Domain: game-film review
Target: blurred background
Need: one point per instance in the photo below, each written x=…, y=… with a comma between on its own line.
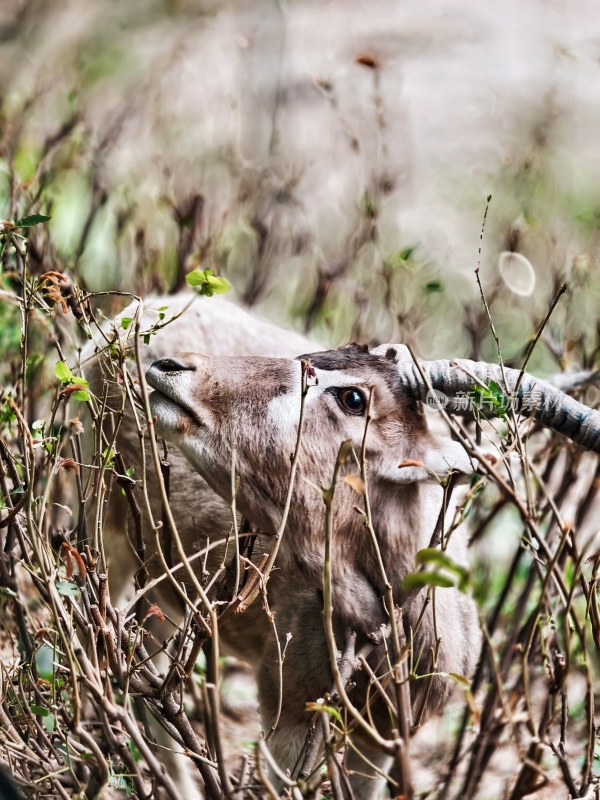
x=332, y=159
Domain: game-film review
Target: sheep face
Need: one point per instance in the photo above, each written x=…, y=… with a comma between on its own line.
x=247, y=410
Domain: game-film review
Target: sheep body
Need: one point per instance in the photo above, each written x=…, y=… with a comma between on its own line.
x=249, y=406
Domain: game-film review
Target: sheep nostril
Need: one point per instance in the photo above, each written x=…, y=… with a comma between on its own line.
x=172, y=365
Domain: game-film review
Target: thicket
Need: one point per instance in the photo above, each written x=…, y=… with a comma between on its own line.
x=76, y=683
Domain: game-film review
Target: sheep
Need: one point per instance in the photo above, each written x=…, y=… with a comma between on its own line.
x=245, y=411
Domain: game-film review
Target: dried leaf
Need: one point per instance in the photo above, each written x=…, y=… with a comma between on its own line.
x=77, y=389
x=76, y=425
x=68, y=560
x=71, y=551
x=80, y=564
x=410, y=462
x=491, y=458
x=356, y=482
x=41, y=632
x=67, y=464
x=68, y=390
x=367, y=60
x=54, y=277
x=155, y=611
x=473, y=707
x=53, y=293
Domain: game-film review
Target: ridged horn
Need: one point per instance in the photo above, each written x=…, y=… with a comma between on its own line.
x=534, y=398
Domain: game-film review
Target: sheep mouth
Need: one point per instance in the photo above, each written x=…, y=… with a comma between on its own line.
x=170, y=412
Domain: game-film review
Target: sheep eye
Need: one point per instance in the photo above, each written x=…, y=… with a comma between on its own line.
x=352, y=400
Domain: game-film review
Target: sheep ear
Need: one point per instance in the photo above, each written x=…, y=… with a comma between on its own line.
x=444, y=455
x=399, y=353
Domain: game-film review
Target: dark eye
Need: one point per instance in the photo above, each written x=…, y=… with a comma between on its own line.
x=352, y=400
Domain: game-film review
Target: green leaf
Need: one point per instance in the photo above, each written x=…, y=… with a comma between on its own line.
x=369, y=208
x=109, y=455
x=441, y=560
x=417, y=580
x=333, y=712
x=44, y=662
x=460, y=679
x=48, y=445
x=431, y=555
x=126, y=322
x=49, y=723
x=130, y=472
x=81, y=395
x=7, y=415
x=404, y=259
x=476, y=484
x=67, y=589
x=408, y=252
x=492, y=397
x=117, y=781
x=29, y=222
x=200, y=665
x=33, y=362
x=198, y=276
x=346, y=451
x=39, y=711
x=133, y=749
x=207, y=282
x=218, y=285
x=62, y=372
x=434, y=286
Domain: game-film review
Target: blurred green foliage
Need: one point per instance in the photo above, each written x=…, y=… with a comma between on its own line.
x=152, y=162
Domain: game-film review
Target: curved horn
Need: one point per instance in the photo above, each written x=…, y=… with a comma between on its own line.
x=534, y=397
